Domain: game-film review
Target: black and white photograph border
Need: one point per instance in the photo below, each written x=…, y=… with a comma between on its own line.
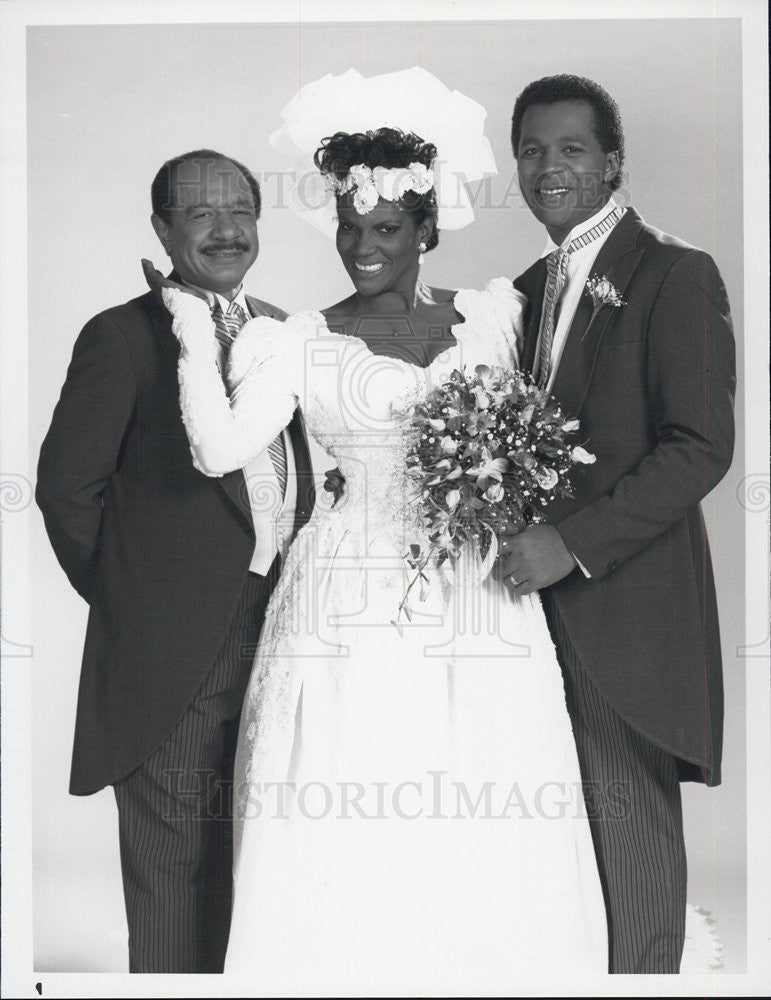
x=73, y=228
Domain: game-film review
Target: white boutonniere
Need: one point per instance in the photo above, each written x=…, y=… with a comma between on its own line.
x=602, y=292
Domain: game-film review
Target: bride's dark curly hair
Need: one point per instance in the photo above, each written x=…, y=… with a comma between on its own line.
x=385, y=147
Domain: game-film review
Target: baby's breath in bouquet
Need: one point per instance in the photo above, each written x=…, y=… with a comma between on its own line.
x=490, y=451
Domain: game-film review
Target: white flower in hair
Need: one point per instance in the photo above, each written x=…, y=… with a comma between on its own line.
x=357, y=177
x=365, y=194
x=393, y=183
x=365, y=199
x=390, y=183
x=421, y=178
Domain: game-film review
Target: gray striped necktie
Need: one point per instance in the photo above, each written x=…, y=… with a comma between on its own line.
x=226, y=328
x=557, y=269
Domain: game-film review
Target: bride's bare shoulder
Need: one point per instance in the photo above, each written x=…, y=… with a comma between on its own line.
x=341, y=310
x=443, y=295
x=341, y=315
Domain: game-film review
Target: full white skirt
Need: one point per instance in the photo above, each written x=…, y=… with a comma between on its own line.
x=411, y=817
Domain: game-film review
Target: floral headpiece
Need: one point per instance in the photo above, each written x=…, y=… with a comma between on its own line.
x=390, y=183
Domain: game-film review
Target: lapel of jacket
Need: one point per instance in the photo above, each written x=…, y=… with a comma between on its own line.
x=533, y=284
x=306, y=490
x=259, y=308
x=234, y=484
x=617, y=260
x=161, y=320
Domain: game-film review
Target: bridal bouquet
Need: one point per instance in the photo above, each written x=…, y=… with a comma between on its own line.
x=490, y=451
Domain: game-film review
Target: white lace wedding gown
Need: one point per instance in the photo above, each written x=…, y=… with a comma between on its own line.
x=434, y=840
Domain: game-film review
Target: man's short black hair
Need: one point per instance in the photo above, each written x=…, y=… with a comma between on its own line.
x=566, y=87
x=162, y=189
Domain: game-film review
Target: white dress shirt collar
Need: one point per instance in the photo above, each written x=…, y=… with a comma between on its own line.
x=214, y=298
x=581, y=228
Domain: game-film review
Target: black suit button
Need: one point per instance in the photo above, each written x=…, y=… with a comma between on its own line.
x=612, y=565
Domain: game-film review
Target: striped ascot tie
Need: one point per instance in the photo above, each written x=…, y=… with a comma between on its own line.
x=226, y=328
x=557, y=270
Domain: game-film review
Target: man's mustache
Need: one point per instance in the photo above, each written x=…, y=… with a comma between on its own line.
x=233, y=245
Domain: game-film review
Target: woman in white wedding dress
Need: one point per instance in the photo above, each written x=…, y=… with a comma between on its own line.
x=409, y=809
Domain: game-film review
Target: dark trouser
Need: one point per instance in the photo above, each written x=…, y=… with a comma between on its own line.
x=632, y=797
x=175, y=815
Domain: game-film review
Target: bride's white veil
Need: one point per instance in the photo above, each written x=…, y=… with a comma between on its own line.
x=413, y=100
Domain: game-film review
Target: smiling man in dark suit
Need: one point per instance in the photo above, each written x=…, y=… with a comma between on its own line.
x=177, y=569
x=630, y=329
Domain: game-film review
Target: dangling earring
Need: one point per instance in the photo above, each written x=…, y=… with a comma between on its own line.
x=422, y=247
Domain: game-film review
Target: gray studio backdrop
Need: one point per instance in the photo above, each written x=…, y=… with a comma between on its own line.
x=107, y=105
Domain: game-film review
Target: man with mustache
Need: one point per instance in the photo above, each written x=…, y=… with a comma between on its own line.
x=630, y=330
x=177, y=569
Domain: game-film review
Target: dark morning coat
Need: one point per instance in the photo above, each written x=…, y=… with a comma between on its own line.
x=653, y=385
x=159, y=550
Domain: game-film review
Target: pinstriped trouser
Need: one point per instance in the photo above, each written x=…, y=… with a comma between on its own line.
x=175, y=814
x=633, y=802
